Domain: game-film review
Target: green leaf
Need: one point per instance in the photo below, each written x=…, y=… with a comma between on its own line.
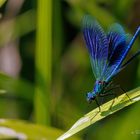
x=94, y=116
x=16, y=129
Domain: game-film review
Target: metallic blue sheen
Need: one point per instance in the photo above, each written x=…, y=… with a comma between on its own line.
x=107, y=52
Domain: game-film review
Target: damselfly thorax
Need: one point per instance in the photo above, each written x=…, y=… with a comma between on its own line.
x=98, y=89
x=99, y=86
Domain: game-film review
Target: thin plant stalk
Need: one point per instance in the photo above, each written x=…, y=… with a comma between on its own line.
x=43, y=62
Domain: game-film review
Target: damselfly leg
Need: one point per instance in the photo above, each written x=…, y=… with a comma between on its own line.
x=107, y=93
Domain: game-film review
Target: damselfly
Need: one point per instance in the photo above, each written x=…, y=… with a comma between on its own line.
x=107, y=53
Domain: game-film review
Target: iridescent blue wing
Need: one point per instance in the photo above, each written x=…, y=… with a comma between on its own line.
x=122, y=66
x=118, y=43
x=128, y=61
x=97, y=44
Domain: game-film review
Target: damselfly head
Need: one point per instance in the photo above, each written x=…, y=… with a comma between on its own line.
x=90, y=96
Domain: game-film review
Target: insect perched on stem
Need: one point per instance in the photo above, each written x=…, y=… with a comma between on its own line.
x=107, y=52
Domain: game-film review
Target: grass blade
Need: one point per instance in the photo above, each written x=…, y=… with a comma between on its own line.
x=88, y=119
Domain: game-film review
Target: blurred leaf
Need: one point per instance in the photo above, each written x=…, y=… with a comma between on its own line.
x=20, y=25
x=58, y=44
x=2, y=91
x=2, y=2
x=16, y=129
x=16, y=87
x=80, y=8
x=94, y=116
x=122, y=8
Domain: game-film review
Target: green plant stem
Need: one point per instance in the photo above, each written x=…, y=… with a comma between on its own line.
x=43, y=62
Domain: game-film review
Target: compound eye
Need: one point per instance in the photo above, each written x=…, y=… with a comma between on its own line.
x=100, y=82
x=89, y=96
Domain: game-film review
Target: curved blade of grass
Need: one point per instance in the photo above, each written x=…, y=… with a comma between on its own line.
x=94, y=116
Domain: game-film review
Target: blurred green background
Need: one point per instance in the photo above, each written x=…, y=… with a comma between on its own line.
x=45, y=67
